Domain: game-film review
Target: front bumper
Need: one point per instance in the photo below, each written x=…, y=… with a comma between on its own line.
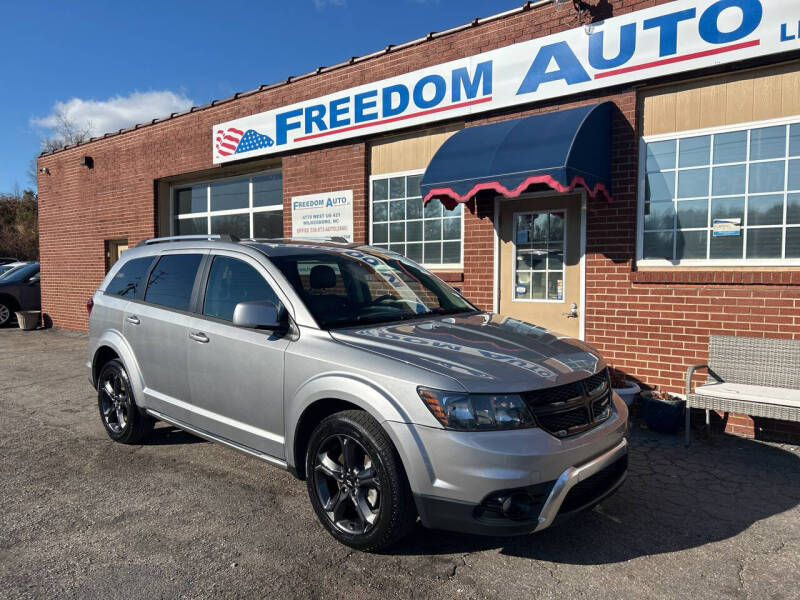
x=576, y=489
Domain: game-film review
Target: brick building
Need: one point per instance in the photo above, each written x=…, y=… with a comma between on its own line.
x=698, y=230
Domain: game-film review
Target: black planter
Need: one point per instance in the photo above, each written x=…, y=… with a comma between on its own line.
x=663, y=416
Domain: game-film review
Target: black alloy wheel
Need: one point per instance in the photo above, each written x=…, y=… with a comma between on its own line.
x=5, y=313
x=356, y=482
x=121, y=417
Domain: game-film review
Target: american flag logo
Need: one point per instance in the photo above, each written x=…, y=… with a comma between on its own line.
x=234, y=141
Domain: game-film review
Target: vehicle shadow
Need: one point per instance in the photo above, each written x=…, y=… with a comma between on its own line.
x=167, y=435
x=675, y=498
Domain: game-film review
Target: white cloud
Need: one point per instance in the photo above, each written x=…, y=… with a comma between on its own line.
x=103, y=116
x=320, y=4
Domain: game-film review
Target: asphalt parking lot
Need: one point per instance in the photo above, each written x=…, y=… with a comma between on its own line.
x=182, y=518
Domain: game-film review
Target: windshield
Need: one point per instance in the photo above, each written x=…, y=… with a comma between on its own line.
x=20, y=273
x=348, y=288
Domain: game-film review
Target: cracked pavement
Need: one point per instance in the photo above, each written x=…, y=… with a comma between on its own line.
x=178, y=517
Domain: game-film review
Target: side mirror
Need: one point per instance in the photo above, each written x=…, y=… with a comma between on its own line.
x=259, y=314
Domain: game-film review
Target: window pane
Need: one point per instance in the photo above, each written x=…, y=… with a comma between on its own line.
x=729, y=180
x=793, y=242
x=380, y=189
x=452, y=228
x=794, y=175
x=414, y=208
x=433, y=230
x=380, y=234
x=539, y=228
x=172, y=279
x=380, y=211
x=767, y=177
x=659, y=215
x=794, y=140
x=764, y=243
x=793, y=209
x=268, y=190
x=556, y=232
x=397, y=233
x=694, y=152
x=729, y=246
x=397, y=210
x=191, y=226
x=552, y=286
x=433, y=253
x=522, y=290
x=130, y=278
x=765, y=210
x=192, y=200
x=660, y=187
x=730, y=147
x=451, y=252
x=229, y=195
x=397, y=187
x=414, y=252
x=691, y=244
x=693, y=213
x=768, y=142
x=660, y=156
x=399, y=248
x=693, y=183
x=433, y=209
x=537, y=285
x=412, y=186
x=658, y=245
x=727, y=208
x=414, y=231
x=555, y=261
x=238, y=225
x=231, y=281
x=268, y=224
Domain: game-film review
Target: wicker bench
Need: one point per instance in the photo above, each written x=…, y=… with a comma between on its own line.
x=759, y=377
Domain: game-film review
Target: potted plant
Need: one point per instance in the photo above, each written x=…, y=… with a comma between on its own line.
x=626, y=389
x=663, y=412
x=28, y=319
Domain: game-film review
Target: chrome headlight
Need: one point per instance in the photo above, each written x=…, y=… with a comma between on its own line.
x=477, y=412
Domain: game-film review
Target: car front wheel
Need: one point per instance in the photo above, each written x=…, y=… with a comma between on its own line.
x=356, y=482
x=6, y=311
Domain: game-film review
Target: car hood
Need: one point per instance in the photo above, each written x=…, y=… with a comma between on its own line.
x=483, y=352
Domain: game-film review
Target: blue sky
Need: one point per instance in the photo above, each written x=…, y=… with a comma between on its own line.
x=116, y=63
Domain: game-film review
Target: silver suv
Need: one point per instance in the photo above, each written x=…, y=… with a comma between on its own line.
x=362, y=373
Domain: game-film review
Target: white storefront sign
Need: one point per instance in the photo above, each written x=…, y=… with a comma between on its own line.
x=676, y=37
x=320, y=216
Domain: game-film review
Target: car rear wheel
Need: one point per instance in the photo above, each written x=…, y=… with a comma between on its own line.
x=6, y=312
x=356, y=482
x=118, y=411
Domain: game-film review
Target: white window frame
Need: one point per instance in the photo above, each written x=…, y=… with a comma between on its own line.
x=712, y=262
x=208, y=213
x=547, y=271
x=441, y=267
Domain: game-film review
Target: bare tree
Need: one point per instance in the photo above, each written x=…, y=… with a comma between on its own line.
x=66, y=133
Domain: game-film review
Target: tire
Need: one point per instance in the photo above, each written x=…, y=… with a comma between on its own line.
x=7, y=309
x=364, y=500
x=118, y=411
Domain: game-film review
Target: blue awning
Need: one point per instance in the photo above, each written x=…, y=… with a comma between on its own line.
x=561, y=149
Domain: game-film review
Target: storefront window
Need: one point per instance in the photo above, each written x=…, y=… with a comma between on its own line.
x=727, y=195
x=247, y=207
x=430, y=235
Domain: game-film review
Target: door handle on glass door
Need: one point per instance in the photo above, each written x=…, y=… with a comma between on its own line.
x=199, y=336
x=133, y=319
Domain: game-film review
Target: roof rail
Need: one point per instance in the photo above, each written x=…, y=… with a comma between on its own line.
x=334, y=239
x=217, y=237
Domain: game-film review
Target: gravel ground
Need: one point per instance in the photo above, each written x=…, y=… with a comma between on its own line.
x=182, y=518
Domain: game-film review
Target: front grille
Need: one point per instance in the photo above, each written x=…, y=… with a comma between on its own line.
x=592, y=488
x=572, y=408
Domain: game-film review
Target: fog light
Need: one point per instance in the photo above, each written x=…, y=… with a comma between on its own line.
x=517, y=506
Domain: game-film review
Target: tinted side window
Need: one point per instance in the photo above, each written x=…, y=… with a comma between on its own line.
x=232, y=281
x=130, y=277
x=172, y=279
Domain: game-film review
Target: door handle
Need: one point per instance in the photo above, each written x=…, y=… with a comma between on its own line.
x=133, y=319
x=199, y=336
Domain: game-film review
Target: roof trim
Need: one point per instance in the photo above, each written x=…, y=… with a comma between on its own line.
x=318, y=71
